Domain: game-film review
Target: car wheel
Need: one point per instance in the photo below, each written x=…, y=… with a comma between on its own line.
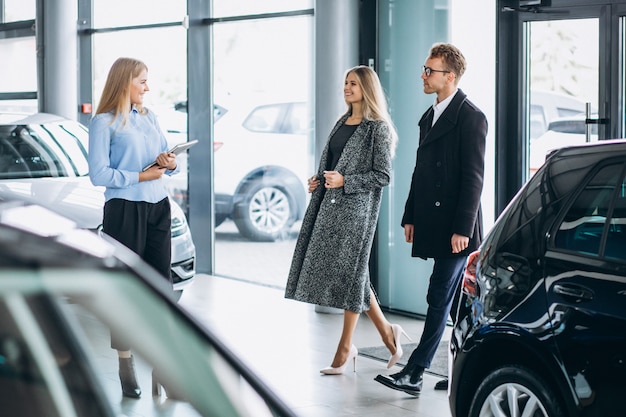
x=514, y=391
x=265, y=212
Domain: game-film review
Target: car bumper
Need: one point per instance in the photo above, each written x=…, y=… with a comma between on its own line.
x=183, y=261
x=223, y=204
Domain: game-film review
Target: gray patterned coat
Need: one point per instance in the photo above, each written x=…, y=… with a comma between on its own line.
x=330, y=261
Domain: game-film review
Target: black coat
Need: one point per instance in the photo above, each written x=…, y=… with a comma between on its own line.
x=448, y=180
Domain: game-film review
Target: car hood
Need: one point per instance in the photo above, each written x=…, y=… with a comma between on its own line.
x=75, y=198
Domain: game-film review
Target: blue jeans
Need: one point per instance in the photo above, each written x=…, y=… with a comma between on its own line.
x=444, y=283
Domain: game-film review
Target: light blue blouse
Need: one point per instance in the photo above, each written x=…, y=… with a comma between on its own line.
x=118, y=154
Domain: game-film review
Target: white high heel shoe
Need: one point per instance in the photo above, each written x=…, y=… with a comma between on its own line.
x=397, y=333
x=341, y=369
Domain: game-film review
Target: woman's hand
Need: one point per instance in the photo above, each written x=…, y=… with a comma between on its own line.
x=333, y=179
x=166, y=160
x=152, y=173
x=313, y=183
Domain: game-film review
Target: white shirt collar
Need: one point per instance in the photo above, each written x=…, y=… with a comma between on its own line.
x=439, y=108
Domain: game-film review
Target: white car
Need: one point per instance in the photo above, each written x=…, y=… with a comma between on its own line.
x=43, y=159
x=263, y=156
x=561, y=132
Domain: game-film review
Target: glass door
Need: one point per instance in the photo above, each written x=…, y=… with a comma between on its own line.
x=558, y=82
x=562, y=60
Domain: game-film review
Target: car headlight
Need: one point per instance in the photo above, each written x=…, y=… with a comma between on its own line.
x=179, y=221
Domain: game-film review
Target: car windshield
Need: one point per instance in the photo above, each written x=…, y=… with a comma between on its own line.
x=46, y=150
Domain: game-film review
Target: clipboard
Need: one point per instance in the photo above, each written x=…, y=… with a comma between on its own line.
x=176, y=149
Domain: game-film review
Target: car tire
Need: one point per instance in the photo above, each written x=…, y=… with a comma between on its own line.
x=265, y=213
x=514, y=387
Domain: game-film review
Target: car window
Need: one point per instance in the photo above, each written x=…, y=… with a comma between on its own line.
x=537, y=121
x=25, y=155
x=298, y=120
x=616, y=236
x=582, y=228
x=574, y=126
x=72, y=139
x=41, y=373
x=567, y=112
x=265, y=119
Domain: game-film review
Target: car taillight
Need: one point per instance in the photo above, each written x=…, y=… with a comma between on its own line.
x=469, y=276
x=217, y=145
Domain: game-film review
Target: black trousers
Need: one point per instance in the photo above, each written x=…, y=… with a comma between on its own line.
x=145, y=228
x=443, y=288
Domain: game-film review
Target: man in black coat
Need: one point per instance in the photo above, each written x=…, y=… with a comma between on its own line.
x=442, y=217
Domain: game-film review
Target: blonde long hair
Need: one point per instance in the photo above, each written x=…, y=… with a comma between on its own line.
x=116, y=93
x=374, y=104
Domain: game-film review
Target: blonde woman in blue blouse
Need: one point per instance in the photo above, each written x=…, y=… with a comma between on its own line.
x=124, y=137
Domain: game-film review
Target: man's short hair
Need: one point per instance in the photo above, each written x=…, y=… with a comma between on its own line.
x=452, y=58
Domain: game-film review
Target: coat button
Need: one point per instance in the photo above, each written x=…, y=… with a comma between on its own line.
x=332, y=201
x=437, y=203
x=438, y=164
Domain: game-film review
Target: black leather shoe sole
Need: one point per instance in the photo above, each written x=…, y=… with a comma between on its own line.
x=393, y=384
x=442, y=385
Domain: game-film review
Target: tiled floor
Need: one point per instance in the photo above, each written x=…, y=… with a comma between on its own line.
x=288, y=342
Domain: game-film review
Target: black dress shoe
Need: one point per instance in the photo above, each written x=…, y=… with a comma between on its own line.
x=402, y=382
x=442, y=385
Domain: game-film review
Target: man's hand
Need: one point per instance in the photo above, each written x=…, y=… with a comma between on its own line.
x=459, y=243
x=408, y=233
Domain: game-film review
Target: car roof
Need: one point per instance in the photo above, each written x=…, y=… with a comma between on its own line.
x=25, y=118
x=613, y=147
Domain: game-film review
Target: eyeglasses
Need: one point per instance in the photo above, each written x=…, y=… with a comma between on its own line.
x=429, y=70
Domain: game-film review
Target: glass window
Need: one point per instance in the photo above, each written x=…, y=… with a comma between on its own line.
x=568, y=48
x=19, y=72
x=582, y=227
x=165, y=55
x=18, y=106
x=265, y=119
x=224, y=8
x=263, y=151
x=16, y=10
x=113, y=13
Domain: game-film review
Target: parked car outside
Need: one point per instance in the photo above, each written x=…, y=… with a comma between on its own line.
x=546, y=106
x=541, y=325
x=563, y=131
x=62, y=289
x=263, y=156
x=43, y=158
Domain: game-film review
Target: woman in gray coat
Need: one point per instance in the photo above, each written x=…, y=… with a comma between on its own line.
x=330, y=261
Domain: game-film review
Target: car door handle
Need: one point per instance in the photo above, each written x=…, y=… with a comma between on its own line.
x=573, y=291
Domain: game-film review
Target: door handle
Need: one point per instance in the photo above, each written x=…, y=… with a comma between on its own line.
x=589, y=121
x=573, y=291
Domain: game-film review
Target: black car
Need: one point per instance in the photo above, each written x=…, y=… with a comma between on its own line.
x=541, y=324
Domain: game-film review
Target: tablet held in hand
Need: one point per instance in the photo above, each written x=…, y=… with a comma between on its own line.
x=176, y=149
